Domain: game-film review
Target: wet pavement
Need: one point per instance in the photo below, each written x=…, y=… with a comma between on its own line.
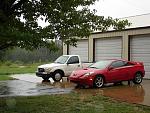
x=29, y=85
x=23, y=88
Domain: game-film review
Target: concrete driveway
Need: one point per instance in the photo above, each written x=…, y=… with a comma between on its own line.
x=132, y=93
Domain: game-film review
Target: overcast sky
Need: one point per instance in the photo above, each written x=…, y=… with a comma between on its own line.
x=122, y=8
x=118, y=8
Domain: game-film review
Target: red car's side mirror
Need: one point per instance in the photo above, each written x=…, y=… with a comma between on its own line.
x=110, y=68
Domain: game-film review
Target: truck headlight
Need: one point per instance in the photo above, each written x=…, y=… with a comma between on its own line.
x=48, y=69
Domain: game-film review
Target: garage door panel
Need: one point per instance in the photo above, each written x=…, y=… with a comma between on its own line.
x=141, y=40
x=81, y=50
x=108, y=48
x=107, y=52
x=146, y=68
x=140, y=51
x=106, y=44
x=141, y=43
x=141, y=46
x=145, y=52
x=144, y=56
x=108, y=56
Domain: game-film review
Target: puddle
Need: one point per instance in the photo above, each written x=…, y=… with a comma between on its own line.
x=23, y=88
x=131, y=94
x=139, y=94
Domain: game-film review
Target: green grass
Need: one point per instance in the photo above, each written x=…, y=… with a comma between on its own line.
x=68, y=103
x=6, y=70
x=5, y=77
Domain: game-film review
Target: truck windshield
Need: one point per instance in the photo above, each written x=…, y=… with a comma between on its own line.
x=61, y=59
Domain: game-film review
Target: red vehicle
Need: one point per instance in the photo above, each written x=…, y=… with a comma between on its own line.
x=109, y=71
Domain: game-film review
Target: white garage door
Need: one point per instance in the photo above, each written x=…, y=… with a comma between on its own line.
x=140, y=51
x=108, y=48
x=81, y=49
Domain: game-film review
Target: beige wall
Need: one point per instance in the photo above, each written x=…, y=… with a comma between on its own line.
x=125, y=34
x=64, y=49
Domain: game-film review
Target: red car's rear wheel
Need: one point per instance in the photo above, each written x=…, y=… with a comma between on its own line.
x=98, y=81
x=138, y=78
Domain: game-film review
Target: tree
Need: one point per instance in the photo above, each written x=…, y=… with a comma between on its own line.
x=19, y=22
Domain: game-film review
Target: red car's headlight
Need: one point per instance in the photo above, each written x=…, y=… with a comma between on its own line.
x=89, y=73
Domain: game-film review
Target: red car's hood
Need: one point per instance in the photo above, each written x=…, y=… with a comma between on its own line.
x=79, y=73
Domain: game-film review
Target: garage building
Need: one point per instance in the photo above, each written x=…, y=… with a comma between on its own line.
x=131, y=44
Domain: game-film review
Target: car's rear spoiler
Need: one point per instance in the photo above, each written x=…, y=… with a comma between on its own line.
x=133, y=62
x=140, y=63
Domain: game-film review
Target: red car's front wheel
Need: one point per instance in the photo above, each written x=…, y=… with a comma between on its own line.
x=98, y=81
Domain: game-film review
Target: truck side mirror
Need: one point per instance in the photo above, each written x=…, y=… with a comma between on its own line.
x=67, y=63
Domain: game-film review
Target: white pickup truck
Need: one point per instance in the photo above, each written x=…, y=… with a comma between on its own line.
x=63, y=66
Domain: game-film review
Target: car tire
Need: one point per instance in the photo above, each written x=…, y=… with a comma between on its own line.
x=138, y=78
x=99, y=81
x=57, y=76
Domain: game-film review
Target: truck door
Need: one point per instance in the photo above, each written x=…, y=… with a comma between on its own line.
x=72, y=64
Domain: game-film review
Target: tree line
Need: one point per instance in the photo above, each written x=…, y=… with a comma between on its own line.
x=42, y=54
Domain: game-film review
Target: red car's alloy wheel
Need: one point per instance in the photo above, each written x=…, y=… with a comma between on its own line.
x=99, y=81
x=138, y=78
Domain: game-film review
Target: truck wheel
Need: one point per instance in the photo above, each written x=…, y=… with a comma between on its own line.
x=138, y=78
x=57, y=76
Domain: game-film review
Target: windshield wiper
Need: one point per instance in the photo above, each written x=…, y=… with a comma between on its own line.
x=94, y=67
x=59, y=62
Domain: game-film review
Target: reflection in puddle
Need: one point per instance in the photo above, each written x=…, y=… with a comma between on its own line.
x=23, y=88
x=132, y=93
x=129, y=93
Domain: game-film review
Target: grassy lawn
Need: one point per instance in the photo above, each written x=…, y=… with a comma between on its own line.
x=6, y=70
x=5, y=77
x=68, y=103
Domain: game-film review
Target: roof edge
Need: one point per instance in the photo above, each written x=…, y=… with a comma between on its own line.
x=137, y=28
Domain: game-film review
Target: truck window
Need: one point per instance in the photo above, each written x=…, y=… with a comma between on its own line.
x=61, y=59
x=73, y=60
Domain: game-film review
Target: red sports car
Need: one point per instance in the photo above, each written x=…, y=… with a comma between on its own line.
x=109, y=71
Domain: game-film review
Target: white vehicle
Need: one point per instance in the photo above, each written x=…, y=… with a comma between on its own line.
x=63, y=66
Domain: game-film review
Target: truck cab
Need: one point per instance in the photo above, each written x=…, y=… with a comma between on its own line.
x=62, y=66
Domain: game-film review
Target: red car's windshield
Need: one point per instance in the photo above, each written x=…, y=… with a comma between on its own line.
x=101, y=64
